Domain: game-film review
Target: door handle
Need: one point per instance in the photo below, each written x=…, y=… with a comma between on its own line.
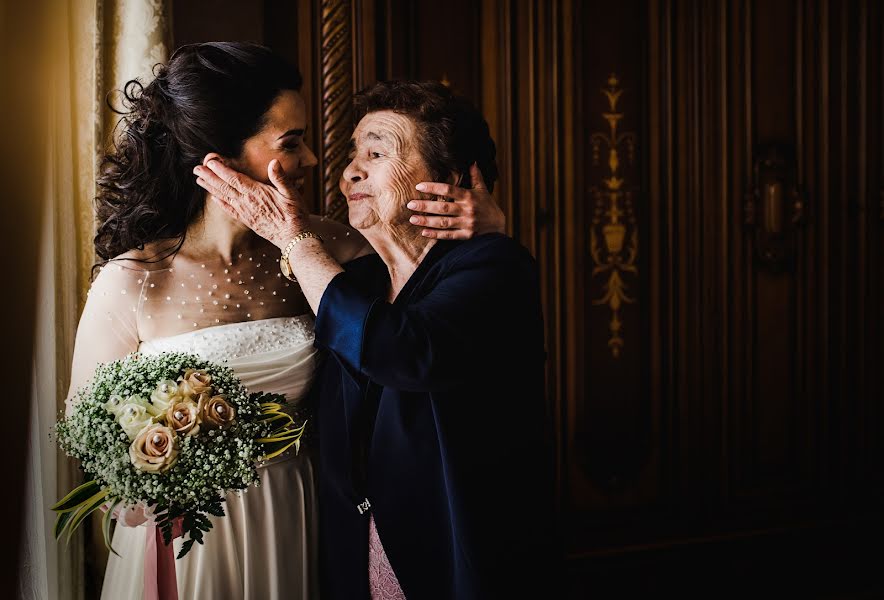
x=774, y=208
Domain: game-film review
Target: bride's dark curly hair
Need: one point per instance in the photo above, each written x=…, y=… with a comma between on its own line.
x=211, y=97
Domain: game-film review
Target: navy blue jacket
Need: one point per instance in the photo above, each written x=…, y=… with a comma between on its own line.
x=431, y=408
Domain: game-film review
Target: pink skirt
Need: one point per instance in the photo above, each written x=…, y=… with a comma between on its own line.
x=382, y=581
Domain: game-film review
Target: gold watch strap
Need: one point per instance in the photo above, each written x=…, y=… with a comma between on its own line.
x=284, y=265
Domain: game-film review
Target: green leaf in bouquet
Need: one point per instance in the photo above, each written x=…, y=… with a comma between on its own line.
x=185, y=548
x=271, y=417
x=188, y=523
x=77, y=496
x=70, y=515
x=106, y=525
x=215, y=509
x=202, y=524
x=266, y=397
x=88, y=508
x=165, y=520
x=276, y=447
x=284, y=436
x=61, y=523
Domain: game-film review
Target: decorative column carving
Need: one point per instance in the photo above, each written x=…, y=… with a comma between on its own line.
x=336, y=92
x=614, y=233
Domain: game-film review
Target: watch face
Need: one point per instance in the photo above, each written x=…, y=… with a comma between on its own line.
x=284, y=267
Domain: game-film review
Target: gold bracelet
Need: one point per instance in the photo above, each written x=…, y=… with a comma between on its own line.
x=284, y=264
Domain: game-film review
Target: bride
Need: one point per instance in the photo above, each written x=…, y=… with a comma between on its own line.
x=180, y=275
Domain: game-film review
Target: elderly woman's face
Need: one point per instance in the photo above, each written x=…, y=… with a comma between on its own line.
x=385, y=165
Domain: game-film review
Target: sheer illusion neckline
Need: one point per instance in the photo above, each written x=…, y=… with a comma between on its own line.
x=193, y=296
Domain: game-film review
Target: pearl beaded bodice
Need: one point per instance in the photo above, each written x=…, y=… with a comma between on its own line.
x=238, y=340
x=178, y=295
x=269, y=355
x=240, y=311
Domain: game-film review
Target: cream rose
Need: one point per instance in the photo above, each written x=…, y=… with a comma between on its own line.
x=215, y=411
x=183, y=416
x=194, y=382
x=114, y=404
x=133, y=417
x=155, y=449
x=165, y=393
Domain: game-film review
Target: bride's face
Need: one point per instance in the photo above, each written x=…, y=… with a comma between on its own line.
x=282, y=138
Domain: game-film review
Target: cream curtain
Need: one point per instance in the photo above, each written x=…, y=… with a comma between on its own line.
x=101, y=45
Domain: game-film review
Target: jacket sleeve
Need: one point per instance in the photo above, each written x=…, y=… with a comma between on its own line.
x=441, y=340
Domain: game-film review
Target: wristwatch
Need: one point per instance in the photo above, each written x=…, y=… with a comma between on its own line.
x=284, y=265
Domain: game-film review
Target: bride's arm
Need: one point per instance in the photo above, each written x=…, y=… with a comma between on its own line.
x=107, y=329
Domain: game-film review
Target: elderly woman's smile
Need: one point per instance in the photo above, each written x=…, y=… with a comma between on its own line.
x=385, y=165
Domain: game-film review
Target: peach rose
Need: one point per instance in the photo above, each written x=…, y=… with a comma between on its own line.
x=183, y=416
x=155, y=449
x=215, y=411
x=194, y=382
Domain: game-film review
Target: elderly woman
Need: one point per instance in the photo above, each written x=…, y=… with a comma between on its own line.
x=435, y=478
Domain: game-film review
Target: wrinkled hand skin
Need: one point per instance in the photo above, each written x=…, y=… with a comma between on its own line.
x=275, y=211
x=472, y=211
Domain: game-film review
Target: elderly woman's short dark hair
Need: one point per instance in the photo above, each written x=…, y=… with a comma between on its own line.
x=453, y=134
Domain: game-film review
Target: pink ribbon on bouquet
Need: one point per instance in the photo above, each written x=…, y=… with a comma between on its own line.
x=160, y=582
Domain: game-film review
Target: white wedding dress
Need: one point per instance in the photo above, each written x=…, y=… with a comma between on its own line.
x=265, y=547
x=243, y=312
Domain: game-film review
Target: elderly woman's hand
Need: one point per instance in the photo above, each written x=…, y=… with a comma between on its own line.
x=275, y=212
x=473, y=211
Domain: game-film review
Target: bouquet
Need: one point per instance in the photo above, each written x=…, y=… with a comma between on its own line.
x=173, y=433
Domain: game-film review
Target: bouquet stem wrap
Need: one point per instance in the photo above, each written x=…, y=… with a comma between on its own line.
x=160, y=580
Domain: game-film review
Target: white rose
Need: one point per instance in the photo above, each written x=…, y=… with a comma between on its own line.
x=114, y=404
x=133, y=417
x=162, y=397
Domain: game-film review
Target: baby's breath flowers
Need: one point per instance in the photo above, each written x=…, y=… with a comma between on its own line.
x=172, y=432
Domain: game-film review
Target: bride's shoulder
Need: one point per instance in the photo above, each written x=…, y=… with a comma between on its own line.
x=115, y=288
x=342, y=241
x=125, y=273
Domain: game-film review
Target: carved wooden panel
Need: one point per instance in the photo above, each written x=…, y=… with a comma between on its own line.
x=336, y=89
x=610, y=435
x=746, y=394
